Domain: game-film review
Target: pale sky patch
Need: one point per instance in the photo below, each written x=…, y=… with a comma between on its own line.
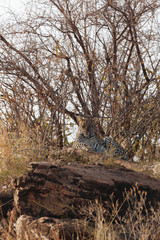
x=15, y=6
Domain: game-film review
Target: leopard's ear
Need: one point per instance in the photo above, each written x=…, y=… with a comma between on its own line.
x=79, y=120
x=96, y=120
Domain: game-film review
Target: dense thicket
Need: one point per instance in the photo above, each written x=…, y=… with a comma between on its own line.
x=91, y=58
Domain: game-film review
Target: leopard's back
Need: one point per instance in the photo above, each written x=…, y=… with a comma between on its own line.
x=115, y=148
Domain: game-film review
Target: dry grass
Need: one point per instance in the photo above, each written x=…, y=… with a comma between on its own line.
x=17, y=150
x=138, y=223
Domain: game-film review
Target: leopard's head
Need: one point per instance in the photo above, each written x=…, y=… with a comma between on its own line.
x=89, y=127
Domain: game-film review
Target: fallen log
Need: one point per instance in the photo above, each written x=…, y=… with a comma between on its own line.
x=60, y=191
x=52, y=201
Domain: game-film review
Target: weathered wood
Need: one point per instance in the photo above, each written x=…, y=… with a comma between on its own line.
x=62, y=191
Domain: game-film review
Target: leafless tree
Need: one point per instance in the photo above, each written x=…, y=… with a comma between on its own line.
x=90, y=58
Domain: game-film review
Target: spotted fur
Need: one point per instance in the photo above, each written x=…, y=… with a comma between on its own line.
x=90, y=138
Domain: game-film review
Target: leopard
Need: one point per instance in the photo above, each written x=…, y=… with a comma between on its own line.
x=90, y=138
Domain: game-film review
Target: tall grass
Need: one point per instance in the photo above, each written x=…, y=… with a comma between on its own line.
x=138, y=223
x=17, y=149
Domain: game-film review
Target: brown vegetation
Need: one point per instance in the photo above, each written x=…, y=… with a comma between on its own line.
x=94, y=59
x=99, y=59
